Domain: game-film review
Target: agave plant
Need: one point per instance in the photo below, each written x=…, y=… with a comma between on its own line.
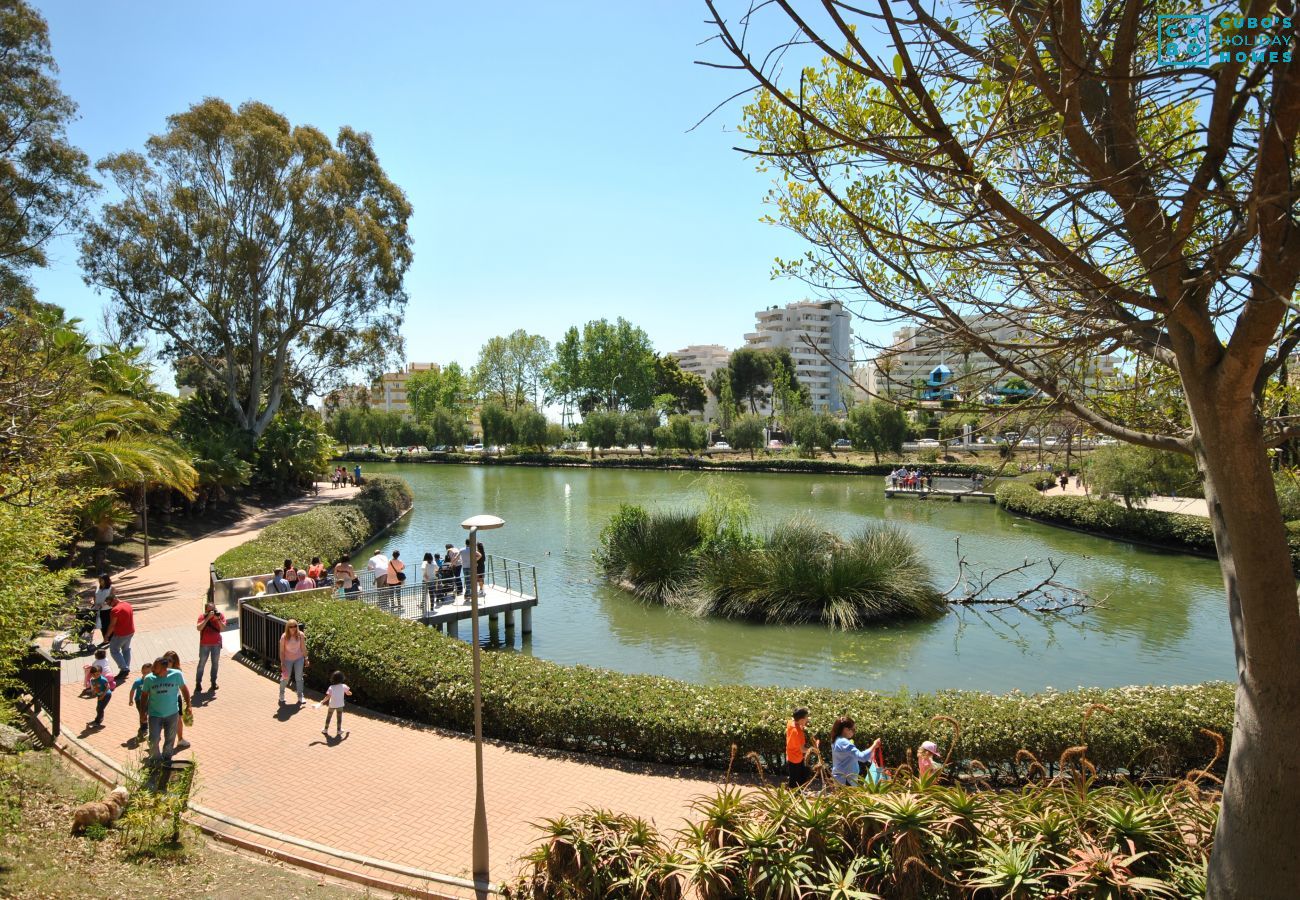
x=721, y=816
x=1008, y=871
x=1098, y=873
x=846, y=882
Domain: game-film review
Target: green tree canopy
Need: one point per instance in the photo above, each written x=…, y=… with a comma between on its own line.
x=44, y=180
x=610, y=365
x=497, y=424
x=683, y=391
x=261, y=253
x=746, y=433
x=878, y=427
x=511, y=370
x=444, y=388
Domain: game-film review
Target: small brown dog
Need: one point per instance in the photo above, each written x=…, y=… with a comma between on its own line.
x=99, y=812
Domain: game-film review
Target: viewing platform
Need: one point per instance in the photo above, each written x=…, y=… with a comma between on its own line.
x=508, y=586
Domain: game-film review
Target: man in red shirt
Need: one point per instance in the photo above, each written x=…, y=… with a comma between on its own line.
x=121, y=628
x=211, y=624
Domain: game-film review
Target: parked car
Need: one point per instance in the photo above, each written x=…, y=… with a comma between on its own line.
x=775, y=445
x=843, y=442
x=473, y=448
x=721, y=445
x=927, y=443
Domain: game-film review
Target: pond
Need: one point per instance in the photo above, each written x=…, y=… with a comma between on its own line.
x=1164, y=621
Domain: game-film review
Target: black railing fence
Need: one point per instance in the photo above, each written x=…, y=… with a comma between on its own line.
x=38, y=674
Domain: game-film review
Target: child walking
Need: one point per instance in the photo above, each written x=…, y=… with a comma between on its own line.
x=334, y=695
x=136, y=698
x=103, y=693
x=101, y=662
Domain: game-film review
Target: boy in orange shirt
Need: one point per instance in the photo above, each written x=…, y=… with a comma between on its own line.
x=797, y=749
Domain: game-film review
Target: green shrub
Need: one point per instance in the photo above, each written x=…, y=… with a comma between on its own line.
x=650, y=554
x=802, y=573
x=410, y=670
x=326, y=531
x=707, y=563
x=1175, y=530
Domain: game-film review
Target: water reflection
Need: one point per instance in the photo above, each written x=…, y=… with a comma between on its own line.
x=1164, y=622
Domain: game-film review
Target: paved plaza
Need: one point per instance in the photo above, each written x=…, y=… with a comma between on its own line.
x=390, y=790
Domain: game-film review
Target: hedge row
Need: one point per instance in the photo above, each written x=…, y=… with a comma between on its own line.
x=411, y=670
x=1177, y=531
x=326, y=531
x=652, y=461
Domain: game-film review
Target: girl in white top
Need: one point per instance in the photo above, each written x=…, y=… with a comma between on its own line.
x=334, y=695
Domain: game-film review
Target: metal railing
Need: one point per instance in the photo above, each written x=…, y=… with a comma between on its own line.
x=415, y=599
x=260, y=633
x=39, y=675
x=511, y=576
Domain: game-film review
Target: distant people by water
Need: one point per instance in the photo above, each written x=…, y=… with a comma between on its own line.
x=305, y=581
x=356, y=474
x=452, y=554
x=345, y=577
x=377, y=565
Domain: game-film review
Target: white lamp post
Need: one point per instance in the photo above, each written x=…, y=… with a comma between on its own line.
x=480, y=845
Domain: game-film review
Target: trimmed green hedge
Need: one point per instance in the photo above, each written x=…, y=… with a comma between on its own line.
x=414, y=671
x=651, y=461
x=326, y=531
x=1176, y=531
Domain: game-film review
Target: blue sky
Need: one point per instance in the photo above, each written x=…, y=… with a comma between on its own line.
x=544, y=146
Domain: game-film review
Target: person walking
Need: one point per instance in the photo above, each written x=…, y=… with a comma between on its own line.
x=99, y=603
x=797, y=748
x=293, y=658
x=174, y=665
x=211, y=625
x=452, y=555
x=103, y=693
x=167, y=696
x=137, y=699
x=334, y=701
x=121, y=628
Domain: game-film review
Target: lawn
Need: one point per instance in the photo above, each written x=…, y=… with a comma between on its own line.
x=40, y=858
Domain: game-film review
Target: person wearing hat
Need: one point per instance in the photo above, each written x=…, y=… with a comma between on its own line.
x=927, y=758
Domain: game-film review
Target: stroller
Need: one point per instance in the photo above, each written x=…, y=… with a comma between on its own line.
x=81, y=635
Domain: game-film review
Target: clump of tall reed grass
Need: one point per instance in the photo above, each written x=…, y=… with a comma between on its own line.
x=708, y=562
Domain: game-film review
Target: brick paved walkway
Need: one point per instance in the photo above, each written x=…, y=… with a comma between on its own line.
x=389, y=790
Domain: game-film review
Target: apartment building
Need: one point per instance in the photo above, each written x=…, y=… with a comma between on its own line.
x=703, y=360
x=389, y=392
x=923, y=360
x=822, y=366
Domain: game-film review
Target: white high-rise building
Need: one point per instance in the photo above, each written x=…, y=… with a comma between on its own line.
x=905, y=367
x=824, y=323
x=703, y=360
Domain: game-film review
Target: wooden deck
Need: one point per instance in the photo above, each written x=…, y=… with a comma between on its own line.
x=496, y=602
x=954, y=496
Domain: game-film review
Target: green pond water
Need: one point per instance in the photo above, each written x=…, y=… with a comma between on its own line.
x=1164, y=622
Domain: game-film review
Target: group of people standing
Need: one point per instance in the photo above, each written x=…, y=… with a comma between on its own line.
x=848, y=763
x=445, y=576
x=909, y=479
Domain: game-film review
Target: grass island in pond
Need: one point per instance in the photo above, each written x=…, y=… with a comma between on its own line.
x=708, y=562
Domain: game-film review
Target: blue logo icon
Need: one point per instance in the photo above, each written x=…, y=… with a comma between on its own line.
x=1184, y=40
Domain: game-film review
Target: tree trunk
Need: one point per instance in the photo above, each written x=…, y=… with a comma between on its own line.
x=1257, y=840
